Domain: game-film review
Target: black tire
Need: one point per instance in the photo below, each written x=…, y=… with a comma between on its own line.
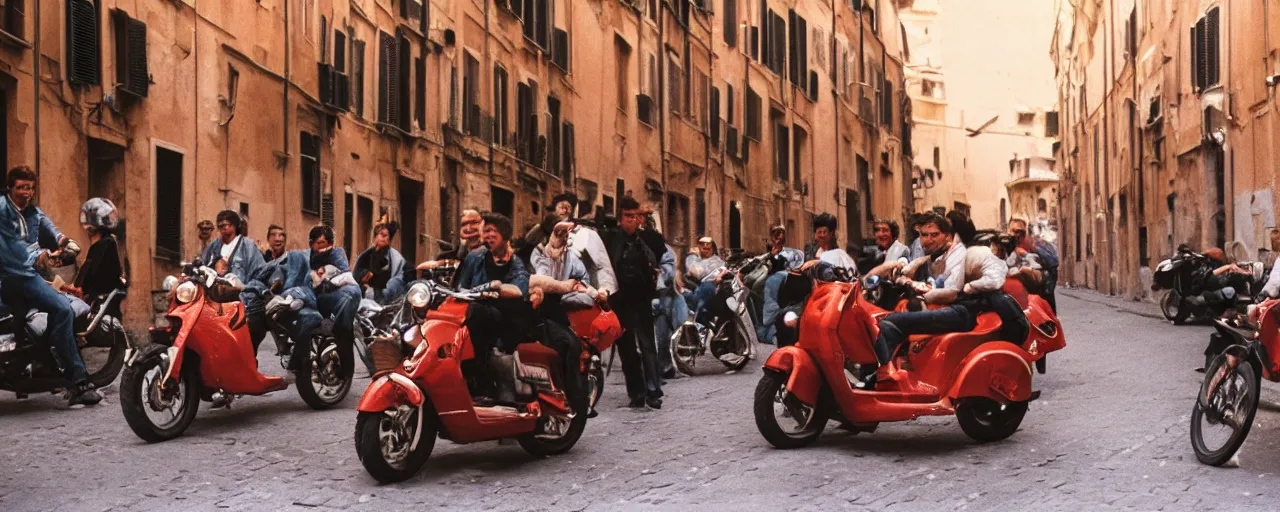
x=539, y=447
x=686, y=358
x=307, y=387
x=1174, y=308
x=1249, y=403
x=985, y=420
x=741, y=347
x=107, y=374
x=369, y=448
x=135, y=407
x=766, y=393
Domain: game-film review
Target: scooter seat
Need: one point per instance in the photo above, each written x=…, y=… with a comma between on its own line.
x=988, y=329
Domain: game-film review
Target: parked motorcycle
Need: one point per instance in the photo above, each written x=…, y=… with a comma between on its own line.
x=983, y=380
x=1228, y=397
x=1187, y=277
x=27, y=362
x=404, y=410
x=206, y=354
x=728, y=328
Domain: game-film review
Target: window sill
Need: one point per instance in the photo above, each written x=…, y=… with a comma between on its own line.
x=13, y=40
x=646, y=124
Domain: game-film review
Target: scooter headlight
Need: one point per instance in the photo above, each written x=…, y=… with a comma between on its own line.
x=419, y=296
x=186, y=292
x=790, y=319
x=169, y=283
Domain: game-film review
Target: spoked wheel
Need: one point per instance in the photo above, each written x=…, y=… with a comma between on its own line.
x=385, y=442
x=324, y=377
x=686, y=346
x=1224, y=410
x=103, y=355
x=156, y=409
x=782, y=419
x=985, y=420
x=1174, y=308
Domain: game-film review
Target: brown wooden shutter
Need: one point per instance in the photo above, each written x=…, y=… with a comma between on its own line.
x=1211, y=48
x=82, y=42
x=731, y=22
x=387, y=84
x=402, y=71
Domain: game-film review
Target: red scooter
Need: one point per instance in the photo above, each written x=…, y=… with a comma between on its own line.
x=206, y=354
x=982, y=380
x=404, y=410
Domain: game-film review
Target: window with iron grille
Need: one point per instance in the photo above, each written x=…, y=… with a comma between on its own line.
x=82, y=42
x=131, y=54
x=168, y=204
x=309, y=163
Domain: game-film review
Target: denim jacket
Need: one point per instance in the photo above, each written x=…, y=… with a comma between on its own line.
x=22, y=234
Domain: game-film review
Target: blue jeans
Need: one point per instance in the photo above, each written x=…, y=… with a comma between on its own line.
x=670, y=312
x=767, y=330
x=698, y=298
x=27, y=293
x=894, y=328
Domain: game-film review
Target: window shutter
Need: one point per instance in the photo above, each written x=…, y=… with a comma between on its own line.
x=402, y=88
x=139, y=78
x=714, y=118
x=766, y=28
x=82, y=42
x=420, y=108
x=569, y=158
x=357, y=69
x=731, y=22
x=339, y=51
x=326, y=210
x=1194, y=41
x=1201, y=57
x=386, y=84
x=1211, y=48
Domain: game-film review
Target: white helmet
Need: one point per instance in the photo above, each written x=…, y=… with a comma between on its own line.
x=99, y=213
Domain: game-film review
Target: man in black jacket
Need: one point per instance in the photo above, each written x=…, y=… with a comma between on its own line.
x=634, y=253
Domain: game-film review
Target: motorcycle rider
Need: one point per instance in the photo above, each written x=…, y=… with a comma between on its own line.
x=824, y=246
x=586, y=242
x=784, y=259
x=231, y=253
x=888, y=247
x=101, y=273
x=948, y=265
x=699, y=269
x=381, y=267
x=1045, y=256
x=559, y=278
x=27, y=234
x=276, y=239
x=503, y=323
x=1272, y=289
x=670, y=310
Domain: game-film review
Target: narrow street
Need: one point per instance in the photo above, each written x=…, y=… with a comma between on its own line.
x=1110, y=431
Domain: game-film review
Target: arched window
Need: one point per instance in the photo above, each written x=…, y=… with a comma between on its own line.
x=1042, y=206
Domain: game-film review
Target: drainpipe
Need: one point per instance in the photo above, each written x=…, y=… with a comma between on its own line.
x=835, y=102
x=662, y=104
x=1106, y=149
x=35, y=97
x=487, y=62
x=287, y=79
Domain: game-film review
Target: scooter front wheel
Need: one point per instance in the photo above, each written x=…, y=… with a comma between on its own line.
x=782, y=419
x=1174, y=307
x=385, y=443
x=1228, y=401
x=157, y=412
x=324, y=372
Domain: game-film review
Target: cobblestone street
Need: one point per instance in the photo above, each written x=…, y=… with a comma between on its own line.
x=1109, y=432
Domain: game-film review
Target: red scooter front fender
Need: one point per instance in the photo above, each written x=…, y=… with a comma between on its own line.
x=388, y=392
x=804, y=378
x=997, y=370
x=187, y=315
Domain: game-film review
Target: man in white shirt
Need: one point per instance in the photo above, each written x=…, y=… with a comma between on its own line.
x=824, y=247
x=956, y=280
x=887, y=243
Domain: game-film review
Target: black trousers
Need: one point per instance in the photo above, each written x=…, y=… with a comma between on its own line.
x=638, y=349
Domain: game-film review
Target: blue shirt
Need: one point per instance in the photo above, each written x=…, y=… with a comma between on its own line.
x=22, y=234
x=473, y=272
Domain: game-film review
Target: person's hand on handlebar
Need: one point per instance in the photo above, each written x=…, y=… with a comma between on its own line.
x=434, y=264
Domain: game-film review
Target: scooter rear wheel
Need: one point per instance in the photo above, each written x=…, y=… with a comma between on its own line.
x=985, y=420
x=384, y=443
x=1174, y=308
x=809, y=421
x=324, y=371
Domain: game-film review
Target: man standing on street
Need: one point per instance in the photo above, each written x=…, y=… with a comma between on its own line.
x=635, y=264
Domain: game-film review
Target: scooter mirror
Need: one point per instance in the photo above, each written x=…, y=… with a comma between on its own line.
x=790, y=319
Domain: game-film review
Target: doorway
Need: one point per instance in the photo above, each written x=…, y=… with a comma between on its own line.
x=502, y=201
x=410, y=213
x=735, y=225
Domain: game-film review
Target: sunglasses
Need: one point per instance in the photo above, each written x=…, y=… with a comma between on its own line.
x=205, y=228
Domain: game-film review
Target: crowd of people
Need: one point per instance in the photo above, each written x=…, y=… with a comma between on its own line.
x=562, y=264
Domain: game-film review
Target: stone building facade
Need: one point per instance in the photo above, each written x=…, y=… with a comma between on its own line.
x=1168, y=133
x=727, y=116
